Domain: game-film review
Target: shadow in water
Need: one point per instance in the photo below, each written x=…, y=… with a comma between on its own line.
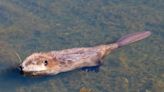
x=13, y=77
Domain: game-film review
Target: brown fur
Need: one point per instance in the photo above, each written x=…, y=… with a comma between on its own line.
x=54, y=62
x=66, y=60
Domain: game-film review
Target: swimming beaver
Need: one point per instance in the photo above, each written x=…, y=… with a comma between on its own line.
x=54, y=62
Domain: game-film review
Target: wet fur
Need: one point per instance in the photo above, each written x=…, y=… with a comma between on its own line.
x=70, y=59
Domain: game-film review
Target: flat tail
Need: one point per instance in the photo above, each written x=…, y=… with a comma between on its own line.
x=134, y=37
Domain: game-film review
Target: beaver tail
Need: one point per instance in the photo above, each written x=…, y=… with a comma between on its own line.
x=130, y=38
x=125, y=40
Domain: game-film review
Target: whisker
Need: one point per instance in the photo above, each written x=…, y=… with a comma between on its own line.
x=18, y=56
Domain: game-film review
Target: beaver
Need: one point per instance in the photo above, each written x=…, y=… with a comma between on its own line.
x=54, y=62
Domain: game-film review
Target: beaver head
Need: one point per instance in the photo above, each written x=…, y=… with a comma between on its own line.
x=39, y=64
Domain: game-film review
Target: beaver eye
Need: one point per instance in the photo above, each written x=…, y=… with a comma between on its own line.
x=45, y=62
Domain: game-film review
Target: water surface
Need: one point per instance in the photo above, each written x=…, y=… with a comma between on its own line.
x=28, y=26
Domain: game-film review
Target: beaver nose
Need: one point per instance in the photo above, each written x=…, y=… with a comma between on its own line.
x=20, y=68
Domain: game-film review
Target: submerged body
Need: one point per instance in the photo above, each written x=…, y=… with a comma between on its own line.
x=54, y=62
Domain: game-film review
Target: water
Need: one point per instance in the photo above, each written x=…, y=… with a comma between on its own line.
x=28, y=26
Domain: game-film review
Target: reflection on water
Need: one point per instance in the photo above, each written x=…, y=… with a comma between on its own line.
x=28, y=26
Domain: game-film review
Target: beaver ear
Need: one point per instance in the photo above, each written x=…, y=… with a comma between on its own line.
x=50, y=56
x=54, y=59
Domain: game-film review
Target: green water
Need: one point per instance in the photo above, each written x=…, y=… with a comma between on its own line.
x=28, y=26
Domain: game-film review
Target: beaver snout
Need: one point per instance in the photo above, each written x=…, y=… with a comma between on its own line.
x=20, y=68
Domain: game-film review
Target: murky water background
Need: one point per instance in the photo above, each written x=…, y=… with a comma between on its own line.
x=28, y=26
